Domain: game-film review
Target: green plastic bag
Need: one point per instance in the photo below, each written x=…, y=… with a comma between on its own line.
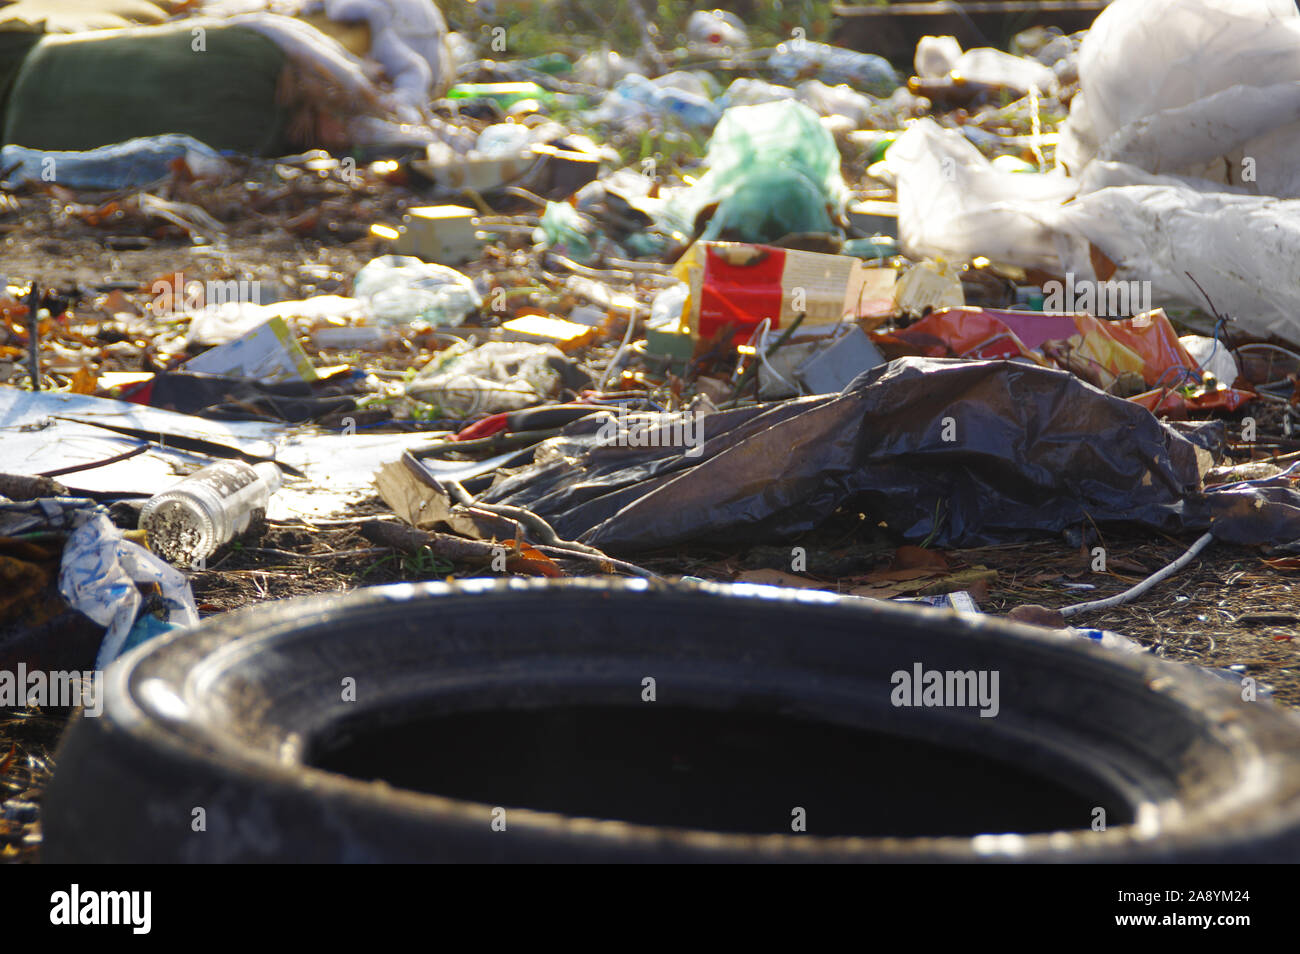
x=566, y=231
x=773, y=170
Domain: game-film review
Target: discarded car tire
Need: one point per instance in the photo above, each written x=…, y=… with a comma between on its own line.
x=624, y=721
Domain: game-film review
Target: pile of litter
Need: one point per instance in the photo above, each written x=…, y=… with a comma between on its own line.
x=648, y=313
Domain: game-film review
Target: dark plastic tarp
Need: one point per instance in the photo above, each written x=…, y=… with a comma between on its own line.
x=964, y=453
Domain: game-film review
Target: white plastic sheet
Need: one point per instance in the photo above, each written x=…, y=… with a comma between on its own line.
x=1240, y=248
x=1193, y=87
x=408, y=38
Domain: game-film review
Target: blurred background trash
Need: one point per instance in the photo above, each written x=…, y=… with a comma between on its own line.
x=400, y=289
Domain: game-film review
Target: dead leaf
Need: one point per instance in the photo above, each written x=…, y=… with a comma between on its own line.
x=530, y=561
x=1036, y=615
x=889, y=583
x=84, y=381
x=908, y=557
x=1102, y=266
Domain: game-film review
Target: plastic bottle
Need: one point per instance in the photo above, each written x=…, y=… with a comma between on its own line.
x=121, y=165
x=689, y=108
x=832, y=64
x=504, y=94
x=207, y=509
x=716, y=30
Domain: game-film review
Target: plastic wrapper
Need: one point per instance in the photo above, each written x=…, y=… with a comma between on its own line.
x=99, y=575
x=44, y=513
x=498, y=376
x=1033, y=450
x=1142, y=357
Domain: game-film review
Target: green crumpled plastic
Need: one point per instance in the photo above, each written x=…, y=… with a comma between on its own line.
x=773, y=170
x=565, y=230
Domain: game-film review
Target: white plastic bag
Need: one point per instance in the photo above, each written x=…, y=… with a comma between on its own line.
x=99, y=574
x=953, y=204
x=400, y=289
x=996, y=68
x=1194, y=87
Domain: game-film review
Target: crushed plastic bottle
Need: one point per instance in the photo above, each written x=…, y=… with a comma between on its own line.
x=122, y=165
x=936, y=56
x=797, y=59
x=400, y=289
x=468, y=379
x=841, y=100
x=687, y=107
x=208, y=509
x=744, y=91
x=603, y=68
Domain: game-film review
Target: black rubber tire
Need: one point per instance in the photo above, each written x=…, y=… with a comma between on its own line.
x=219, y=717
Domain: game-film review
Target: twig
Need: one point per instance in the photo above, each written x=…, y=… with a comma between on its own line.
x=1134, y=592
x=34, y=334
x=752, y=369
x=271, y=551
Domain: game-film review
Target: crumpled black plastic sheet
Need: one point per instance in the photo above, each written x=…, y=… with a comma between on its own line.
x=963, y=453
x=222, y=397
x=1263, y=511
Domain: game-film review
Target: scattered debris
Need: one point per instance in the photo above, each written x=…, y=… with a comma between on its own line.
x=364, y=300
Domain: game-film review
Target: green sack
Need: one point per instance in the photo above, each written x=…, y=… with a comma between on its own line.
x=16, y=41
x=774, y=169
x=85, y=90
